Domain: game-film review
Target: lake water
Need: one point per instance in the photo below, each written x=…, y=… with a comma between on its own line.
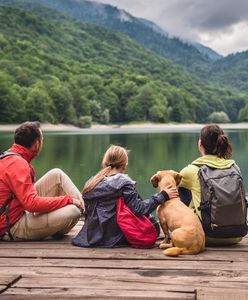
x=80, y=153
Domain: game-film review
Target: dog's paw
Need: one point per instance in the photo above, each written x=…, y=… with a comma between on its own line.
x=165, y=245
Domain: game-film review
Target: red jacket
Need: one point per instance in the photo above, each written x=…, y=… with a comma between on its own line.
x=15, y=178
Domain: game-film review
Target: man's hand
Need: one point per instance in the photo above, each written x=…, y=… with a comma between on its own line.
x=78, y=204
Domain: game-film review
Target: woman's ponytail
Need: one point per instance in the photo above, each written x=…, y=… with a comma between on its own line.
x=215, y=142
x=223, y=147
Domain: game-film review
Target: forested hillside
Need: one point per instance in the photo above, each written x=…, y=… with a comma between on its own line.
x=198, y=59
x=232, y=70
x=195, y=58
x=56, y=69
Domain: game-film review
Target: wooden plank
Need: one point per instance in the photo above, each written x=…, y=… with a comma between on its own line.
x=55, y=245
x=121, y=253
x=73, y=271
x=101, y=286
x=44, y=294
x=7, y=280
x=66, y=242
x=221, y=294
x=23, y=264
x=126, y=279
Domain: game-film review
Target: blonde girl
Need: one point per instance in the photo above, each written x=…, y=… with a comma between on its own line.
x=101, y=194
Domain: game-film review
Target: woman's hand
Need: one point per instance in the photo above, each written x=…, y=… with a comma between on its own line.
x=171, y=191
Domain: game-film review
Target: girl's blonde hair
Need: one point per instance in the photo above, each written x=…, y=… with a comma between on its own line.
x=114, y=157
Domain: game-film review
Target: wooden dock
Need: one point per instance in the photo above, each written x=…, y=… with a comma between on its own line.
x=57, y=270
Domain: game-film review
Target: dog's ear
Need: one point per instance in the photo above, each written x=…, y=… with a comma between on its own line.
x=178, y=178
x=155, y=179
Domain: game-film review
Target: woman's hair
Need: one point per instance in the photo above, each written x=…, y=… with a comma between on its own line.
x=215, y=142
x=114, y=157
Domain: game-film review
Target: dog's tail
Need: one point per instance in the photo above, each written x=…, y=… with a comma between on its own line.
x=175, y=251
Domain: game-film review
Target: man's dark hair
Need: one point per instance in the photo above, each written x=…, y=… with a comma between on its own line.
x=27, y=133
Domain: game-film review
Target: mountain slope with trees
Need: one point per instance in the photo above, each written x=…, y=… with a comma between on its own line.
x=232, y=71
x=195, y=58
x=198, y=59
x=56, y=69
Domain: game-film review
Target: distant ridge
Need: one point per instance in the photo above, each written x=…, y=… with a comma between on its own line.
x=194, y=57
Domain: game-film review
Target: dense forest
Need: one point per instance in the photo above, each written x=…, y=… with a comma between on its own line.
x=57, y=69
x=232, y=70
x=195, y=58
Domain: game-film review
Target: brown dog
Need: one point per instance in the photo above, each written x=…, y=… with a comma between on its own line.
x=187, y=234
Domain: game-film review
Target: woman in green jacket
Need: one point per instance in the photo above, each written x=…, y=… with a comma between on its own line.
x=216, y=151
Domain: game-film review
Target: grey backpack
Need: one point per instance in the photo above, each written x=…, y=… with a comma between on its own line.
x=223, y=204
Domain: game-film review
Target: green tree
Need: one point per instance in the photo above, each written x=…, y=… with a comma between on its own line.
x=125, y=90
x=182, y=106
x=218, y=117
x=138, y=106
x=80, y=103
x=243, y=114
x=158, y=113
x=233, y=105
x=39, y=105
x=11, y=105
x=96, y=110
x=62, y=100
x=3, y=41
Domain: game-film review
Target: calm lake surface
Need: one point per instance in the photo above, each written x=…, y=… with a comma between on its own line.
x=80, y=153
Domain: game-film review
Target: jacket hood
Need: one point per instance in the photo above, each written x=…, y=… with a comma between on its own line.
x=24, y=152
x=117, y=181
x=109, y=186
x=214, y=161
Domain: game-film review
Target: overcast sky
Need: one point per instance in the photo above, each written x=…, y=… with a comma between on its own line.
x=219, y=24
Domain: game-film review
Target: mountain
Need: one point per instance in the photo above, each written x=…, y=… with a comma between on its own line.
x=153, y=26
x=195, y=58
x=232, y=71
x=206, y=51
x=58, y=69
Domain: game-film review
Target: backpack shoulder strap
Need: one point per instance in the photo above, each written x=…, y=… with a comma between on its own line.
x=4, y=208
x=236, y=168
x=245, y=196
x=198, y=165
x=8, y=153
x=6, y=203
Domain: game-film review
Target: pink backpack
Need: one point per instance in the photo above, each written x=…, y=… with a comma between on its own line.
x=138, y=230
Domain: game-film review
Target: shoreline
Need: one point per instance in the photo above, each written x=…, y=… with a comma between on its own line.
x=46, y=127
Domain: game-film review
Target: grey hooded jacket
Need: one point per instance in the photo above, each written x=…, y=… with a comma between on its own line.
x=100, y=228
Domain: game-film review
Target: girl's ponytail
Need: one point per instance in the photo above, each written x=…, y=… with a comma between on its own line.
x=114, y=158
x=96, y=179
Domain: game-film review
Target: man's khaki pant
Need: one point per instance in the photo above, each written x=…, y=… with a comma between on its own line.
x=58, y=222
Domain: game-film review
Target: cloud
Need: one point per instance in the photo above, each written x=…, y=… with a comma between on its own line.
x=231, y=41
x=207, y=15
x=220, y=24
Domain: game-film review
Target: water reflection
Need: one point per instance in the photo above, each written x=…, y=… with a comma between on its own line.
x=80, y=155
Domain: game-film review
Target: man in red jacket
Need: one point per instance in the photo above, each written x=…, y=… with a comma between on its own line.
x=29, y=210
